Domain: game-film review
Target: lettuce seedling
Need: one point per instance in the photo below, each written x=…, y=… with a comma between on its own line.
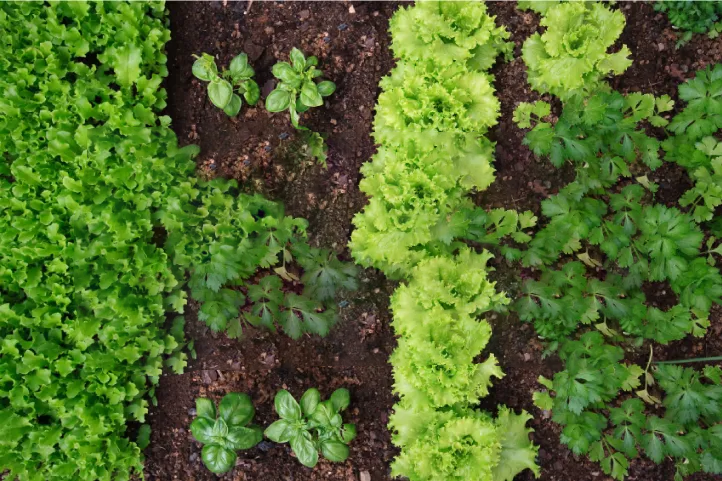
x=221, y=88
x=297, y=90
x=226, y=431
x=313, y=425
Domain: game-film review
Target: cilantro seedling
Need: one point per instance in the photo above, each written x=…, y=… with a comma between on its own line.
x=313, y=425
x=222, y=88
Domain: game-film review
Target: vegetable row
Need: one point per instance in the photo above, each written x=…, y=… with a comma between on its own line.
x=103, y=225
x=607, y=244
x=435, y=107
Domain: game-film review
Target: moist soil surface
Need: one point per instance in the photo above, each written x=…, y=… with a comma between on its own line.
x=263, y=153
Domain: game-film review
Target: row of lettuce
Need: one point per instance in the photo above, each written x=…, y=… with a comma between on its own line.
x=619, y=270
x=103, y=225
x=432, y=115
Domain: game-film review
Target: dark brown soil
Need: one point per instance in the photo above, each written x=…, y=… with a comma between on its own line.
x=260, y=150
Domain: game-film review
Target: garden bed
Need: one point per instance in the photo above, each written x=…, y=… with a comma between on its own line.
x=259, y=149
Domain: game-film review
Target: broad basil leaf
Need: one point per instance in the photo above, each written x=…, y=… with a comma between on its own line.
x=298, y=59
x=220, y=92
x=218, y=459
x=309, y=95
x=287, y=74
x=340, y=399
x=309, y=401
x=203, y=430
x=348, y=433
x=205, y=408
x=334, y=451
x=244, y=437
x=239, y=67
x=252, y=93
x=280, y=431
x=286, y=406
x=234, y=106
x=304, y=449
x=237, y=409
x=326, y=88
x=203, y=68
x=278, y=101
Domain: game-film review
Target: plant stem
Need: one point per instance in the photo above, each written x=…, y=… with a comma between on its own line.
x=696, y=359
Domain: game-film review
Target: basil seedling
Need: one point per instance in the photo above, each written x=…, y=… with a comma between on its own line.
x=225, y=432
x=313, y=425
x=222, y=88
x=297, y=90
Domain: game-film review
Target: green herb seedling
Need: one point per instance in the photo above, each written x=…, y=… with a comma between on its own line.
x=225, y=432
x=313, y=426
x=297, y=90
x=222, y=88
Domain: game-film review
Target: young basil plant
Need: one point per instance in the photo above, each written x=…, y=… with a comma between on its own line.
x=313, y=425
x=297, y=90
x=226, y=431
x=222, y=88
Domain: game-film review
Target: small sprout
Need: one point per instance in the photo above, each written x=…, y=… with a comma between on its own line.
x=225, y=90
x=297, y=90
x=225, y=431
x=312, y=425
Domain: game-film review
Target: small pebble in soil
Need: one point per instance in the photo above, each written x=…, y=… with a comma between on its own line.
x=326, y=39
x=192, y=412
x=194, y=457
x=283, y=136
x=264, y=446
x=267, y=148
x=343, y=304
x=343, y=26
x=246, y=162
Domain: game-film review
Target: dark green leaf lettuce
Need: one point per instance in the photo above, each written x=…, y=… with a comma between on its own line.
x=82, y=284
x=90, y=175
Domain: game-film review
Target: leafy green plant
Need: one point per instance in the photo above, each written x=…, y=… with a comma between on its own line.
x=603, y=131
x=601, y=249
x=226, y=431
x=297, y=90
x=694, y=146
x=594, y=376
x=692, y=17
x=83, y=286
x=571, y=55
x=224, y=89
x=226, y=241
x=431, y=117
x=103, y=224
x=313, y=425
